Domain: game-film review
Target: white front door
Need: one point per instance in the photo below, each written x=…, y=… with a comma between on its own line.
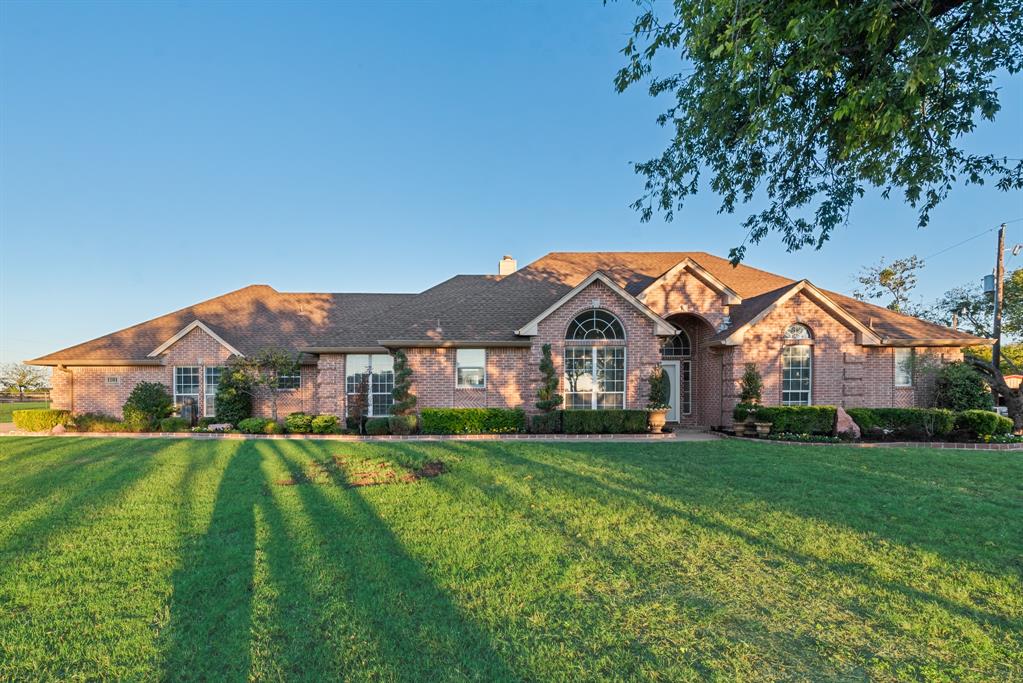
x=671, y=369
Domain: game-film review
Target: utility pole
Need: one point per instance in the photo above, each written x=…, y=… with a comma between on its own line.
x=996, y=351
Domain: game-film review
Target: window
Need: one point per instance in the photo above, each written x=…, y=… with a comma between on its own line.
x=676, y=347
x=594, y=377
x=377, y=371
x=186, y=385
x=595, y=324
x=685, y=387
x=212, y=381
x=796, y=369
x=290, y=381
x=796, y=331
x=470, y=368
x=113, y=380
x=903, y=367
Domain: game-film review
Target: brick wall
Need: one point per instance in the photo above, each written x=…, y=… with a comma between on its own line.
x=508, y=383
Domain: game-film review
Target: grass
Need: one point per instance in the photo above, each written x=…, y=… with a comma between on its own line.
x=234, y=560
x=7, y=408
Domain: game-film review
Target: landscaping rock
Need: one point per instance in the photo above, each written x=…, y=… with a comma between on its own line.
x=58, y=429
x=845, y=425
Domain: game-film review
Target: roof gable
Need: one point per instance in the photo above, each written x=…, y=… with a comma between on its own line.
x=662, y=327
x=729, y=296
x=194, y=325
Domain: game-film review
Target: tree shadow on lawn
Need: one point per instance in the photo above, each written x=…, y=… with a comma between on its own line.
x=65, y=496
x=392, y=612
x=582, y=486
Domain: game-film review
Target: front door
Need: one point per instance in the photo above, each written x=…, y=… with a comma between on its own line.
x=671, y=371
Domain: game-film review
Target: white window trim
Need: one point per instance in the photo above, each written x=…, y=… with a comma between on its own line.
x=459, y=385
x=593, y=361
x=206, y=390
x=369, y=391
x=895, y=368
x=297, y=374
x=686, y=363
x=809, y=392
x=200, y=391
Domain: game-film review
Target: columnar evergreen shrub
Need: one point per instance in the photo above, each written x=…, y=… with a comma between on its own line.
x=40, y=420
x=404, y=399
x=148, y=403
x=751, y=386
x=548, y=397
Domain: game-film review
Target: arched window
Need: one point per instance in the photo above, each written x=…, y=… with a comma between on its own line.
x=677, y=346
x=797, y=366
x=797, y=331
x=594, y=375
x=595, y=324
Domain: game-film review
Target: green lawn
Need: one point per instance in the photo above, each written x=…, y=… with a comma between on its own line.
x=7, y=408
x=143, y=559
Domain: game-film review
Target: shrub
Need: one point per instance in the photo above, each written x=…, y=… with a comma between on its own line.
x=299, y=423
x=148, y=403
x=40, y=420
x=472, y=420
x=546, y=423
x=259, y=425
x=980, y=423
x=903, y=423
x=547, y=395
x=325, y=424
x=604, y=421
x=804, y=438
x=403, y=424
x=404, y=399
x=959, y=386
x=234, y=396
x=98, y=422
x=174, y=424
x=378, y=426
x=660, y=389
x=751, y=385
x=790, y=419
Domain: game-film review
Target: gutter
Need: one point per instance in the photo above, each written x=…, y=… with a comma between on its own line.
x=92, y=362
x=453, y=344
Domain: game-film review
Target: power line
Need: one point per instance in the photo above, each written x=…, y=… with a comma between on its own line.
x=970, y=239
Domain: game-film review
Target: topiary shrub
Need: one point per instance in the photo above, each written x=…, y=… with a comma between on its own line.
x=403, y=424
x=325, y=424
x=958, y=386
x=174, y=424
x=547, y=396
x=473, y=420
x=40, y=420
x=604, y=421
x=378, y=426
x=299, y=423
x=98, y=422
x=977, y=424
x=148, y=403
x=259, y=425
x=751, y=385
x=546, y=423
x=903, y=424
x=660, y=389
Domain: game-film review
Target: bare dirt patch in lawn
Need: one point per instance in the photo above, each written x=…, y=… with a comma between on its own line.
x=340, y=470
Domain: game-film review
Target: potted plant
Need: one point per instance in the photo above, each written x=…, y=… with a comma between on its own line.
x=660, y=394
x=751, y=388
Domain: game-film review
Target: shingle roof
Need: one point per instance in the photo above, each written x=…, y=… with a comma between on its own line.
x=485, y=308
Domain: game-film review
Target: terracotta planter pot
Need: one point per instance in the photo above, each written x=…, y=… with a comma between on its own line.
x=763, y=428
x=656, y=420
x=739, y=427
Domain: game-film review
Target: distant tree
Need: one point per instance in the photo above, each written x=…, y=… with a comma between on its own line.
x=975, y=310
x=547, y=395
x=808, y=104
x=895, y=281
x=404, y=400
x=21, y=378
x=266, y=369
x=1012, y=356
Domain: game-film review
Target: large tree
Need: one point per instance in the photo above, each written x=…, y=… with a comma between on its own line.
x=21, y=378
x=807, y=104
x=895, y=280
x=271, y=368
x=975, y=311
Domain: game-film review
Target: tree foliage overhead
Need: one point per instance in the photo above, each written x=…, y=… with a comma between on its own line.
x=895, y=280
x=812, y=102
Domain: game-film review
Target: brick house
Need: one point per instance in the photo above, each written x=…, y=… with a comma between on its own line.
x=475, y=340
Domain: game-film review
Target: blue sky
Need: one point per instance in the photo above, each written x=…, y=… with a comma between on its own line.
x=156, y=154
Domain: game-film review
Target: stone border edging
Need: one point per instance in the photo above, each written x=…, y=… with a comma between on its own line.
x=944, y=445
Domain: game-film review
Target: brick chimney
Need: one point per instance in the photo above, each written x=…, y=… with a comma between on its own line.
x=507, y=266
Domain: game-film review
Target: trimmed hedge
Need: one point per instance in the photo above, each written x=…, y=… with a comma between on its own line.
x=792, y=419
x=40, y=420
x=325, y=424
x=604, y=421
x=299, y=423
x=378, y=426
x=981, y=423
x=98, y=422
x=174, y=424
x=909, y=424
x=472, y=421
x=546, y=423
x=258, y=425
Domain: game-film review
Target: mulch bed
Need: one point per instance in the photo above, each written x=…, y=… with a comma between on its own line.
x=339, y=471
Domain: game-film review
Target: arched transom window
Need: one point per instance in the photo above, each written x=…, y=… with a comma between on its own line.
x=797, y=331
x=594, y=373
x=677, y=347
x=595, y=324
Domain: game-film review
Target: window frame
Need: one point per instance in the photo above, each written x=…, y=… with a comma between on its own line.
x=574, y=326
x=596, y=380
x=809, y=368
x=687, y=347
x=459, y=367
x=198, y=383
x=297, y=376
x=208, y=398
x=911, y=352
x=370, y=382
